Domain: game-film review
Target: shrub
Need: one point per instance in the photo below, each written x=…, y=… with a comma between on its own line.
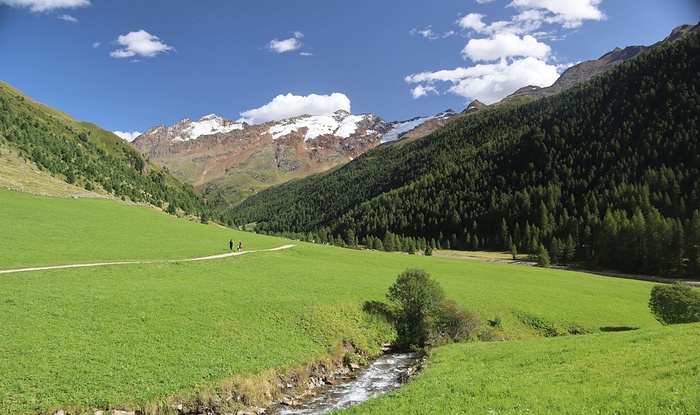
x=453, y=323
x=675, y=303
x=416, y=297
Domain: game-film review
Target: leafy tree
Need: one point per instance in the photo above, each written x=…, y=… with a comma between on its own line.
x=675, y=303
x=416, y=297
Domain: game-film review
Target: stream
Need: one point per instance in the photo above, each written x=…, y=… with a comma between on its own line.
x=381, y=376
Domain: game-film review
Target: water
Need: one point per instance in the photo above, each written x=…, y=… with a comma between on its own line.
x=381, y=376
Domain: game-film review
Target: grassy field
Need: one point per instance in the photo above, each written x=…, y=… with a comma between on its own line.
x=130, y=335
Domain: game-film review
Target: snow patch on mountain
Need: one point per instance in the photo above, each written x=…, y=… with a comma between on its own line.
x=207, y=125
x=399, y=128
x=340, y=123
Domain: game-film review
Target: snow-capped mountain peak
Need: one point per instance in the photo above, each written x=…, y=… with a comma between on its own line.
x=340, y=124
x=186, y=129
x=207, y=125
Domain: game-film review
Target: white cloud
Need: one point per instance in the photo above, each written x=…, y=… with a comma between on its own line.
x=286, y=45
x=68, y=18
x=38, y=6
x=426, y=33
x=489, y=82
x=473, y=21
x=127, y=136
x=139, y=43
x=505, y=45
x=285, y=106
x=569, y=13
x=96, y=44
x=421, y=91
x=509, y=54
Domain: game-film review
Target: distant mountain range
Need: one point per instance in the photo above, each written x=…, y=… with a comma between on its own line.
x=236, y=158
x=228, y=160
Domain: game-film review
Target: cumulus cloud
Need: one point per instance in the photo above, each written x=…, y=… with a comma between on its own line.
x=139, y=43
x=285, y=106
x=39, y=6
x=508, y=54
x=493, y=82
x=421, y=91
x=286, y=45
x=127, y=136
x=569, y=13
x=68, y=18
x=490, y=82
x=504, y=45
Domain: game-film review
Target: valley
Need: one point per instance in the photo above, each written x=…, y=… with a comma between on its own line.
x=121, y=293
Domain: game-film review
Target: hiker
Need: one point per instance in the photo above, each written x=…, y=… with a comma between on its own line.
x=230, y=245
x=240, y=246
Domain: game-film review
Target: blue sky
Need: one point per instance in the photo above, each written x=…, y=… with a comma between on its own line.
x=128, y=65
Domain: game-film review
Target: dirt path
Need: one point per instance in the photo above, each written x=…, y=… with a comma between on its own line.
x=99, y=264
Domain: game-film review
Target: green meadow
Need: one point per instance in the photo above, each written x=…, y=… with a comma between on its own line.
x=138, y=335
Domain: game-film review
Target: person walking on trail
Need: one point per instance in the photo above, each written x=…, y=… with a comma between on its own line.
x=240, y=246
x=230, y=245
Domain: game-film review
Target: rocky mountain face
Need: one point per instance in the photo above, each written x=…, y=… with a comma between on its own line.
x=229, y=160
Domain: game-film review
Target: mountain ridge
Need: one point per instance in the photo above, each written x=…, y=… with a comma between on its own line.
x=589, y=69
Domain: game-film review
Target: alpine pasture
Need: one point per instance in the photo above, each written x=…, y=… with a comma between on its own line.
x=138, y=336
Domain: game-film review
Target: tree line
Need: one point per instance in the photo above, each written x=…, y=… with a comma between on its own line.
x=607, y=173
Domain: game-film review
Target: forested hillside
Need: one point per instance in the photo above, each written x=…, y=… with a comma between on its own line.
x=85, y=155
x=606, y=173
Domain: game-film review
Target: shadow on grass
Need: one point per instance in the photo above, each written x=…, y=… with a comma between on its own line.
x=611, y=329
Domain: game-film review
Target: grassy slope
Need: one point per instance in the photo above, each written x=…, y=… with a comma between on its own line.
x=137, y=333
x=54, y=231
x=24, y=175
x=635, y=372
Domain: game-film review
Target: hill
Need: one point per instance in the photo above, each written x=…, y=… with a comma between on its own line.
x=607, y=173
x=47, y=151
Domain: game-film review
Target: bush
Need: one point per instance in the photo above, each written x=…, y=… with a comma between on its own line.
x=675, y=303
x=453, y=323
x=416, y=297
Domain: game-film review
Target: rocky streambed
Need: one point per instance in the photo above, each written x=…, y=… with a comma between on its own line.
x=351, y=386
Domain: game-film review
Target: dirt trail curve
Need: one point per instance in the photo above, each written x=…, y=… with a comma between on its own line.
x=99, y=264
